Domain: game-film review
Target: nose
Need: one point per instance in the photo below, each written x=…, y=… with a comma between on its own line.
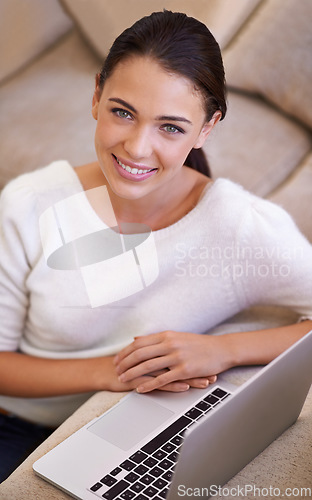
x=138, y=144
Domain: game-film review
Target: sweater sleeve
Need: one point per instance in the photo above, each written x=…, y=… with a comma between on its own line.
x=15, y=223
x=276, y=259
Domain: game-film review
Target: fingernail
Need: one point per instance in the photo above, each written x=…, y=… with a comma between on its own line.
x=184, y=387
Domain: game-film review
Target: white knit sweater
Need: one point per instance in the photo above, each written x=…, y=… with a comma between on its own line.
x=233, y=250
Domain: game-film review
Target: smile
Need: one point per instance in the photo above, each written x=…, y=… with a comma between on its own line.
x=133, y=171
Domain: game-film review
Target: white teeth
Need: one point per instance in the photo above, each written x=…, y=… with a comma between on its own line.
x=133, y=170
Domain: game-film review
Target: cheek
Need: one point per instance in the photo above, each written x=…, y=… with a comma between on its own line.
x=105, y=136
x=176, y=154
x=172, y=158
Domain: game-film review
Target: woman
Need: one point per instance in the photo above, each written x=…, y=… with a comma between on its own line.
x=160, y=93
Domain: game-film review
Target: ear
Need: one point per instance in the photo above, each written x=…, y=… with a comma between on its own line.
x=207, y=128
x=96, y=97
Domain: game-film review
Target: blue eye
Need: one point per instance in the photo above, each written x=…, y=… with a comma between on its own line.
x=172, y=129
x=122, y=113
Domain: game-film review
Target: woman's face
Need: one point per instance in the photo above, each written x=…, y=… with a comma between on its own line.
x=147, y=122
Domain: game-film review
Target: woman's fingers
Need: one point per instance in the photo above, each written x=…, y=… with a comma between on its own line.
x=161, y=382
x=167, y=381
x=138, y=343
x=148, y=382
x=144, y=368
x=174, y=387
x=144, y=354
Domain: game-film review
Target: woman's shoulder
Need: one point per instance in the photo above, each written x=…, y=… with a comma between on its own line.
x=234, y=208
x=43, y=182
x=56, y=173
x=249, y=214
x=230, y=195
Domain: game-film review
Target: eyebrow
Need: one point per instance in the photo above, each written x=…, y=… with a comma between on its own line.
x=173, y=119
x=158, y=118
x=123, y=103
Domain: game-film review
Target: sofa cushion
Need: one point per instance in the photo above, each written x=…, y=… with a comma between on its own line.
x=296, y=195
x=46, y=110
x=272, y=56
x=102, y=21
x=26, y=29
x=255, y=145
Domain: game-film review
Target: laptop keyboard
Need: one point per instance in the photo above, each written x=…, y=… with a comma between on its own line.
x=147, y=473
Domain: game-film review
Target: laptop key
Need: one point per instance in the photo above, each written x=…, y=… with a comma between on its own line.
x=163, y=493
x=132, y=477
x=108, y=480
x=220, y=393
x=96, y=486
x=150, y=491
x=141, y=469
x=160, y=483
x=116, y=471
x=165, y=464
x=176, y=440
x=127, y=465
x=159, y=454
x=115, y=490
x=211, y=399
x=203, y=405
x=166, y=434
x=167, y=475
x=127, y=495
x=138, y=457
x=193, y=413
x=173, y=457
x=169, y=447
x=137, y=487
x=156, y=471
x=147, y=479
x=150, y=462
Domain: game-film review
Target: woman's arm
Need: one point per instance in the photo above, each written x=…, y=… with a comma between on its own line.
x=185, y=355
x=22, y=375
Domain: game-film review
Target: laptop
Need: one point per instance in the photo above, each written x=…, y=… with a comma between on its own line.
x=161, y=445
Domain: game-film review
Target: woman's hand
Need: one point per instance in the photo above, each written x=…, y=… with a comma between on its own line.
x=175, y=357
x=116, y=385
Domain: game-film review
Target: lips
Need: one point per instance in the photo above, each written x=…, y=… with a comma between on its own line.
x=132, y=171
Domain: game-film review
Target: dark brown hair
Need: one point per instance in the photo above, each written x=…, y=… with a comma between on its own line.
x=181, y=45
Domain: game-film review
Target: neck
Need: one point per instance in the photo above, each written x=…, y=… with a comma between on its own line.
x=143, y=210
x=159, y=208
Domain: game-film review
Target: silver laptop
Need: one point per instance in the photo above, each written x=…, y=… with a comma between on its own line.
x=156, y=446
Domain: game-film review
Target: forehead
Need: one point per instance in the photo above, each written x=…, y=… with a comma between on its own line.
x=144, y=80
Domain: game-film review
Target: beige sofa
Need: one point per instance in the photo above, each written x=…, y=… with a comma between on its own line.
x=52, y=51
x=51, y=56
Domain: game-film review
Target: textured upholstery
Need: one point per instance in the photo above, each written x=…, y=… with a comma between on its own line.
x=46, y=86
x=273, y=55
x=27, y=28
x=101, y=21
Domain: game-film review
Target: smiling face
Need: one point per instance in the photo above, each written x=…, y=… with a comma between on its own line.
x=148, y=120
